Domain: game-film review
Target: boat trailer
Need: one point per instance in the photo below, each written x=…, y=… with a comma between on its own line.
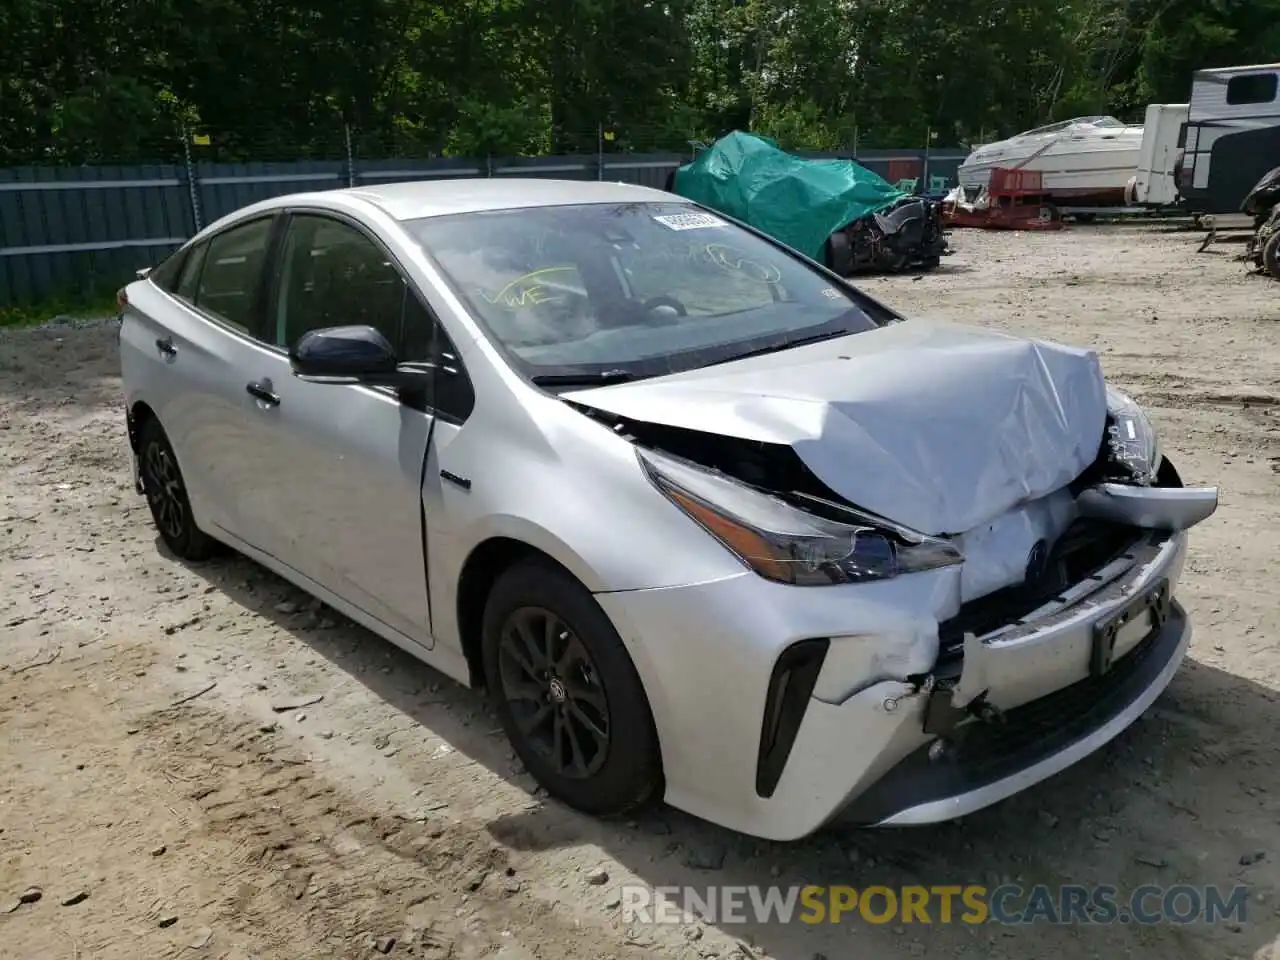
x=1231, y=228
x=1014, y=199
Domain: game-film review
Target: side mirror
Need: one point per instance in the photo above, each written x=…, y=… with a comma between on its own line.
x=342, y=352
x=359, y=354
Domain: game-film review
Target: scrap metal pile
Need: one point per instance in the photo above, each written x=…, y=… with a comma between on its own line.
x=836, y=212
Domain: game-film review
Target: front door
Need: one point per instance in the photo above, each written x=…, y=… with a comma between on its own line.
x=340, y=485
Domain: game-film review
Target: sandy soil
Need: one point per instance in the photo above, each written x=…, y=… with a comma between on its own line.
x=157, y=757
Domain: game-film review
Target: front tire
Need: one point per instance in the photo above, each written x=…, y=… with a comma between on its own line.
x=567, y=693
x=166, y=494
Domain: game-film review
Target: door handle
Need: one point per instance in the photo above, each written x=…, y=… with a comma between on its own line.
x=166, y=347
x=262, y=392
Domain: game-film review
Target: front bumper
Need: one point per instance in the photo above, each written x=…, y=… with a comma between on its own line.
x=705, y=654
x=1032, y=742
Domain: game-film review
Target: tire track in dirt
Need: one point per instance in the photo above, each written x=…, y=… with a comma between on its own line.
x=260, y=855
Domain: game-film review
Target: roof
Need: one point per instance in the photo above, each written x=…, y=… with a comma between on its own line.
x=1231, y=71
x=434, y=198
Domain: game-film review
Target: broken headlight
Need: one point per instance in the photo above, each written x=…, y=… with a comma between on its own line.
x=782, y=542
x=1132, y=444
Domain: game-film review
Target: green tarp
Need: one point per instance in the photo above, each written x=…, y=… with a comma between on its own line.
x=799, y=202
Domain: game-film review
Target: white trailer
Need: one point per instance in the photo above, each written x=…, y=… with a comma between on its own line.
x=1154, y=185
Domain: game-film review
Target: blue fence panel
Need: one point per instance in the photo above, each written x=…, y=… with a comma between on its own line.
x=557, y=168
x=373, y=172
x=82, y=231
x=226, y=187
x=645, y=169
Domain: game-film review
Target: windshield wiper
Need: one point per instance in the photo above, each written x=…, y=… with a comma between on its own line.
x=785, y=345
x=582, y=379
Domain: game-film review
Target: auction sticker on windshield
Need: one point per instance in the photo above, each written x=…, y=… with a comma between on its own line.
x=689, y=221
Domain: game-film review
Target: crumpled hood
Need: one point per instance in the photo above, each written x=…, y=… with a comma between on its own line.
x=939, y=427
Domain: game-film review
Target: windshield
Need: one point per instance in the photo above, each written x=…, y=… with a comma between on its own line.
x=632, y=290
x=1067, y=124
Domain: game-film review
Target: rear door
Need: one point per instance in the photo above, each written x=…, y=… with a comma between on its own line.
x=340, y=467
x=193, y=336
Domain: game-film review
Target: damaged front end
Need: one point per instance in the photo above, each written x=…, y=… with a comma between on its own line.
x=1056, y=624
x=908, y=234
x=1035, y=675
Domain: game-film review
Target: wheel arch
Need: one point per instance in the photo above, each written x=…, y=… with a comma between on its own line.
x=486, y=562
x=483, y=567
x=137, y=415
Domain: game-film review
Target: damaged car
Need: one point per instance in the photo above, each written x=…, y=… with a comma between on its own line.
x=836, y=212
x=1263, y=205
x=706, y=522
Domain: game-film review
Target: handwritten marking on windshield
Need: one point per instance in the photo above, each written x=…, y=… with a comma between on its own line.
x=734, y=261
x=534, y=290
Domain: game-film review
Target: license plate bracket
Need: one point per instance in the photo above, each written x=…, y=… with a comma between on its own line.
x=1155, y=601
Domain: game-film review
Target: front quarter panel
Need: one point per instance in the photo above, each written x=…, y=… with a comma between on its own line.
x=551, y=477
x=543, y=474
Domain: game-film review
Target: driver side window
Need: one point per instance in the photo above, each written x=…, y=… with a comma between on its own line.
x=333, y=275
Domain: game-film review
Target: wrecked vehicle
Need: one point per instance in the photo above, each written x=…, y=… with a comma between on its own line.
x=708, y=523
x=1263, y=204
x=836, y=212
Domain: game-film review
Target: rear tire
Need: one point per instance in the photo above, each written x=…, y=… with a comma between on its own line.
x=567, y=693
x=166, y=494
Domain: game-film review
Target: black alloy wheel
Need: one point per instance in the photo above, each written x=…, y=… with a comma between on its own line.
x=567, y=692
x=553, y=691
x=167, y=495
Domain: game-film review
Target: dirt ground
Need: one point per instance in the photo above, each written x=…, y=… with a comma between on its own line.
x=224, y=771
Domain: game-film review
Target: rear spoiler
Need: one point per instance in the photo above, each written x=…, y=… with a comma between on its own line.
x=143, y=273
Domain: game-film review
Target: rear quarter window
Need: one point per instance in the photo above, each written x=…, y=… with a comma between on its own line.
x=190, y=276
x=165, y=275
x=232, y=271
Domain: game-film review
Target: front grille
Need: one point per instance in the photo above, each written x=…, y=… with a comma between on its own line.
x=1086, y=547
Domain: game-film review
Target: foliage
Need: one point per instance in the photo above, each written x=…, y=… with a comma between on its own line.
x=67, y=307
x=92, y=81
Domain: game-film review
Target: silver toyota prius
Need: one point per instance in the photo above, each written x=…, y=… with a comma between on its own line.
x=708, y=523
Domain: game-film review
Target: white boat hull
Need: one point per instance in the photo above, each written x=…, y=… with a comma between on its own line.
x=1081, y=167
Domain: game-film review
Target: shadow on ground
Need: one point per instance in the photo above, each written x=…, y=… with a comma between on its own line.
x=1145, y=788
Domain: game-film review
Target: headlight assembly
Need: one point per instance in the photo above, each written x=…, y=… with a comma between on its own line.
x=782, y=542
x=1131, y=439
